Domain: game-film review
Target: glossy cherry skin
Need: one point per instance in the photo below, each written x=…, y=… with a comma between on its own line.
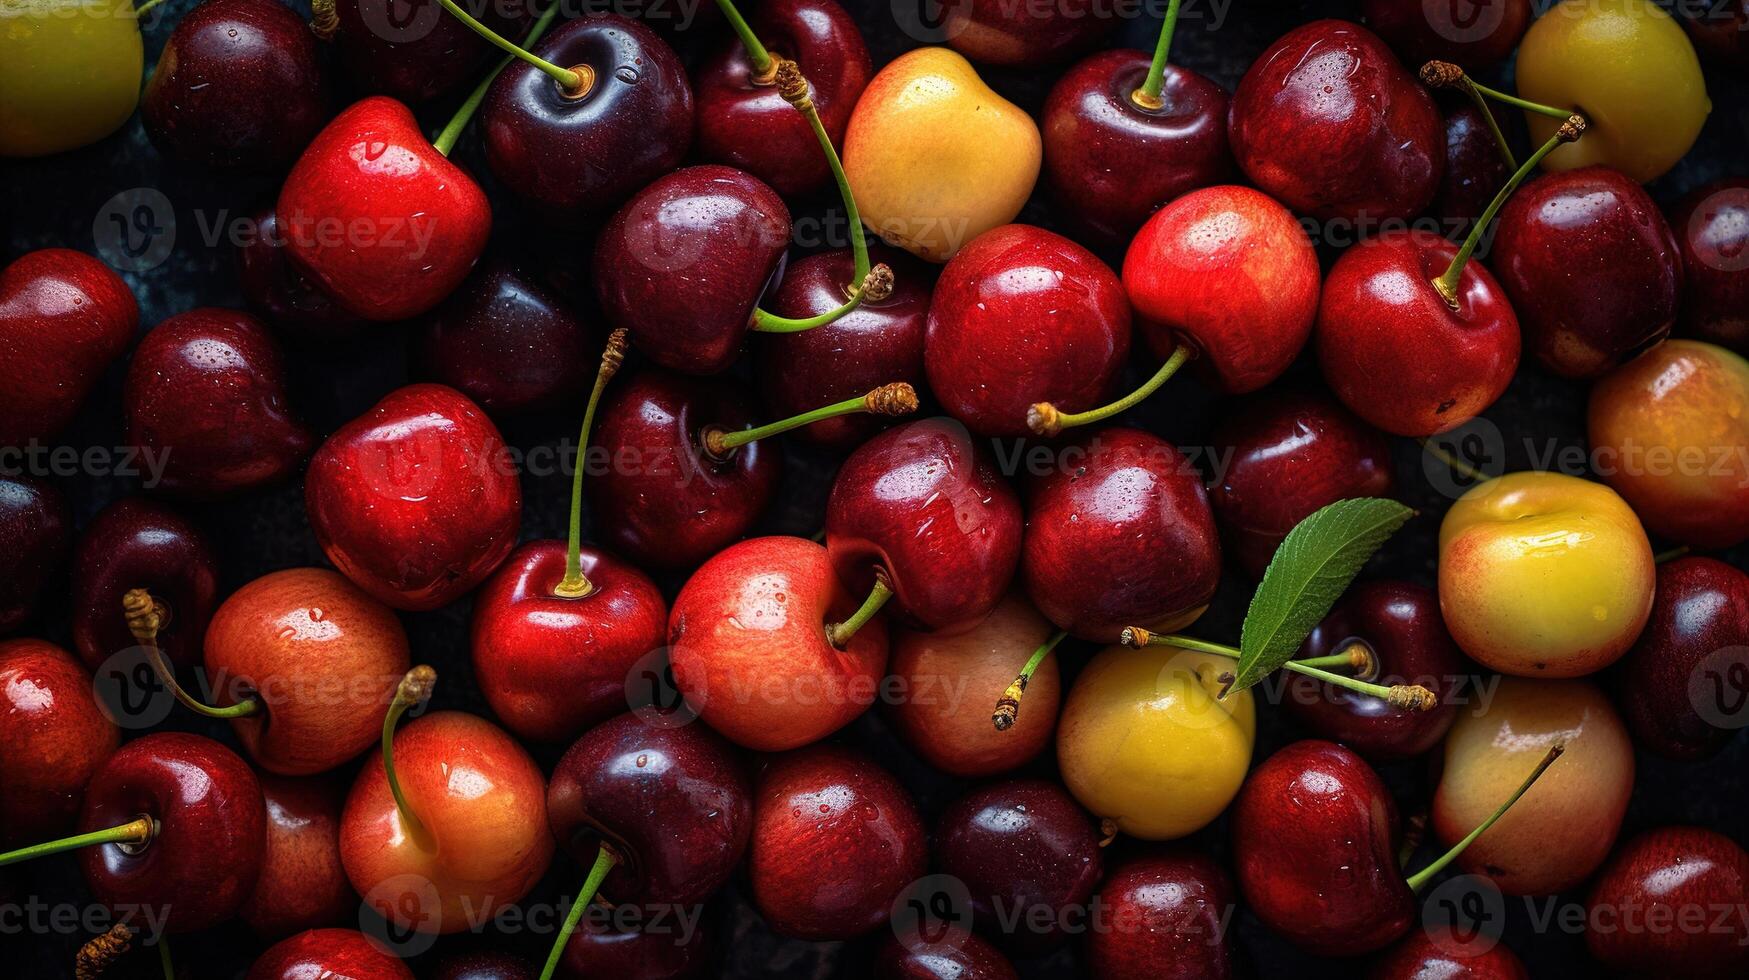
x=1474, y=171
x=1401, y=622
x=672, y=803
x=56, y=736
x=1000, y=33
x=924, y=507
x=1712, y=232
x=1328, y=122
x=1023, y=315
x=1420, y=956
x=301, y=885
x=414, y=50
x=568, y=158
x=1167, y=912
x=1109, y=162
x=378, y=218
x=1472, y=33
x=549, y=666
x=1666, y=905
x=64, y=317
x=1119, y=534
x=683, y=263
x=1022, y=848
x=1291, y=452
x=484, y=964
x=1700, y=615
x=224, y=63
x=1230, y=272
x=415, y=500
x=878, y=343
x=328, y=953
x=322, y=656
x=747, y=641
x=1340, y=894
x=749, y=125
x=206, y=391
x=1590, y=266
x=36, y=533
x=278, y=290
x=508, y=343
x=1395, y=353
x=661, y=500
x=139, y=544
x=597, y=949
x=962, y=958
x=202, y=861
x=835, y=840
x=480, y=798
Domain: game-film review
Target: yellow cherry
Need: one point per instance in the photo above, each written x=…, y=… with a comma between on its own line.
x=69, y=73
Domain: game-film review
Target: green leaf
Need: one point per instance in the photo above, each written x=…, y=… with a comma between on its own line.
x=1310, y=571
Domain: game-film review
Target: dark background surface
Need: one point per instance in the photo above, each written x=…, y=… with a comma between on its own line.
x=59, y=201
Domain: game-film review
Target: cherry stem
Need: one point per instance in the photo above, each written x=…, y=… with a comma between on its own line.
x=575, y=585
x=452, y=132
x=1044, y=419
x=1671, y=555
x=1444, y=74
x=1410, y=697
x=144, y=8
x=897, y=398
x=795, y=90
x=138, y=832
x=1148, y=96
x=604, y=862
x=146, y=616
x=1487, y=112
x=1008, y=705
x=324, y=19
x=1414, y=832
x=570, y=82
x=840, y=633
x=100, y=953
x=1458, y=466
x=413, y=690
x=1447, y=284
x=164, y=959
x=1419, y=878
x=1513, y=100
x=763, y=68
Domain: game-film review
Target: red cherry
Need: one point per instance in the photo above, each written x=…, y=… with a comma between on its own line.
x=64, y=317
x=962, y=958
x=139, y=544
x=36, y=533
x=1712, y=232
x=1474, y=168
x=1472, y=33
x=1166, y=915
x=56, y=735
x=598, y=950
x=1685, y=876
x=1422, y=956
x=328, y=953
x=278, y=290
x=1699, y=627
x=302, y=884
x=415, y=51
x=1005, y=33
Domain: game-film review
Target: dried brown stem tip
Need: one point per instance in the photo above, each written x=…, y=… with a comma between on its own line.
x=1134, y=637
x=614, y=354
x=1044, y=419
x=1361, y=660
x=878, y=284
x=792, y=86
x=1008, y=705
x=1572, y=129
x=1107, y=831
x=897, y=398
x=146, y=616
x=96, y=956
x=1441, y=74
x=1412, y=697
x=417, y=685
x=324, y=19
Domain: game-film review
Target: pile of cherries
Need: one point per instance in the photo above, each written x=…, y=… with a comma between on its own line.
x=684, y=717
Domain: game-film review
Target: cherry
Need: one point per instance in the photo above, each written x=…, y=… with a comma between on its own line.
x=961, y=958
x=139, y=544
x=1591, y=267
x=64, y=317
x=1655, y=909
x=878, y=342
x=1473, y=33
x=1003, y=33
x=483, y=964
x=1028, y=855
x=328, y=953
x=378, y=216
x=1700, y=612
x=36, y=533
x=769, y=649
x=1120, y=534
x=1166, y=917
x=1290, y=453
x=302, y=884
x=1712, y=233
x=206, y=391
x=1720, y=31
x=1328, y=122
x=606, y=112
x=409, y=49
x=278, y=290
x=835, y=841
x=599, y=950
x=922, y=511
x=743, y=121
x=1125, y=133
x=224, y=63
x=1475, y=167
x=415, y=500
x=56, y=736
x=1421, y=956
x=1398, y=627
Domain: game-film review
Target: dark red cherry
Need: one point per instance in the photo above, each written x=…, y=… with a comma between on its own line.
x=301, y=884
x=1720, y=31
x=1166, y=916
x=1474, y=171
x=56, y=735
x=1473, y=33
x=1001, y=32
x=1448, y=956
x=484, y=964
x=414, y=50
x=36, y=533
x=671, y=952
x=960, y=958
x=139, y=544
x=278, y=290
x=323, y=953
x=1669, y=904
x=1678, y=683
x=1712, y=232
x=64, y=318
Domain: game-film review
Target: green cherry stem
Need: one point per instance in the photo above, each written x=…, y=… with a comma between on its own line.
x=446, y=139
x=414, y=688
x=1411, y=697
x=1419, y=878
x=1044, y=419
x=164, y=959
x=1671, y=555
x=1008, y=705
x=840, y=633
x=604, y=862
x=1456, y=465
x=1148, y=96
x=1444, y=74
x=146, y=616
x=573, y=83
x=897, y=398
x=145, y=8
x=137, y=832
x=1447, y=283
x=575, y=585
x=764, y=65
x=1516, y=102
